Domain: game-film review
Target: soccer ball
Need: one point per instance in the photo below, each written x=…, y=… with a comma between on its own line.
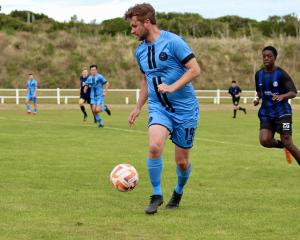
x=124, y=177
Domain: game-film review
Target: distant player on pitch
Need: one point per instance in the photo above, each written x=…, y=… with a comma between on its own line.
x=84, y=96
x=31, y=94
x=168, y=67
x=275, y=87
x=98, y=87
x=235, y=92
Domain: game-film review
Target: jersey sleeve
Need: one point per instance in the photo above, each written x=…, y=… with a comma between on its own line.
x=257, y=86
x=88, y=82
x=288, y=83
x=240, y=90
x=181, y=50
x=103, y=80
x=138, y=61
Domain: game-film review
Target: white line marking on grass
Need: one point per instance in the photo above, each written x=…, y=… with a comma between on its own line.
x=130, y=131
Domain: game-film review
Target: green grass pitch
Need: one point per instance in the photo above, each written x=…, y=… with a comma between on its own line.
x=54, y=183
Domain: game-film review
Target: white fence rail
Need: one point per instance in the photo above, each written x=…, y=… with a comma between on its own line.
x=126, y=96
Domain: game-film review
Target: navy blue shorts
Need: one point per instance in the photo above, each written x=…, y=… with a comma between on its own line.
x=281, y=125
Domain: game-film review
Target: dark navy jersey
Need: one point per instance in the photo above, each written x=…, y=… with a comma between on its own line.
x=234, y=91
x=272, y=83
x=83, y=80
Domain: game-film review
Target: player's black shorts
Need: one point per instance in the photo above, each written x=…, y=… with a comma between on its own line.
x=280, y=125
x=236, y=101
x=85, y=97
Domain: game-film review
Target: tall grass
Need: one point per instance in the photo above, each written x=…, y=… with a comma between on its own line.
x=57, y=58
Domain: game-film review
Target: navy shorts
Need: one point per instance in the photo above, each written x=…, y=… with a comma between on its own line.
x=281, y=125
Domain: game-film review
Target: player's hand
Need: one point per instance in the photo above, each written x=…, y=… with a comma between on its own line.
x=164, y=88
x=133, y=115
x=255, y=102
x=277, y=97
x=104, y=94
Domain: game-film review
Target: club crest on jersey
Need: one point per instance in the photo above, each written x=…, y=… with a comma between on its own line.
x=275, y=84
x=163, y=56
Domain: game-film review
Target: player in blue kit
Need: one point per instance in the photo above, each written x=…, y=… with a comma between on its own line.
x=168, y=66
x=98, y=87
x=275, y=87
x=31, y=94
x=235, y=92
x=84, y=95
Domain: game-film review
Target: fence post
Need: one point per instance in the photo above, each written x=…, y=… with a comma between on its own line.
x=58, y=95
x=137, y=96
x=245, y=100
x=17, y=96
x=66, y=100
x=126, y=100
x=2, y=100
x=218, y=96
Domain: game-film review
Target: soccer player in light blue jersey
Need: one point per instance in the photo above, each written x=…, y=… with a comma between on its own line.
x=98, y=86
x=31, y=94
x=168, y=67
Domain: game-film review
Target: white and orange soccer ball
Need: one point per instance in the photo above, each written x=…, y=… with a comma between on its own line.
x=124, y=177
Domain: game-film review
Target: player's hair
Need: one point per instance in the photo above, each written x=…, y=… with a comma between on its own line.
x=142, y=11
x=93, y=66
x=30, y=74
x=233, y=81
x=272, y=49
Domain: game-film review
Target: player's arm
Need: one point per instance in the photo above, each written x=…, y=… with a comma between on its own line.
x=141, y=101
x=86, y=86
x=239, y=92
x=192, y=73
x=106, y=87
x=289, y=86
x=36, y=88
x=257, y=94
x=184, y=54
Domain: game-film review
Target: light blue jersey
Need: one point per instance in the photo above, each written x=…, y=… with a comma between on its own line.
x=31, y=90
x=95, y=83
x=31, y=87
x=163, y=61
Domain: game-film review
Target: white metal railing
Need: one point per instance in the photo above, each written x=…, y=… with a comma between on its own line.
x=65, y=94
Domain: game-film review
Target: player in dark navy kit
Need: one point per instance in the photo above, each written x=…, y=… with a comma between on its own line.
x=168, y=67
x=235, y=92
x=275, y=87
x=84, y=97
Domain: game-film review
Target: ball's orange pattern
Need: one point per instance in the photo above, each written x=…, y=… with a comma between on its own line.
x=124, y=177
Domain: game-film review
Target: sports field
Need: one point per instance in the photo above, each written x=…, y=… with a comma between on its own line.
x=54, y=183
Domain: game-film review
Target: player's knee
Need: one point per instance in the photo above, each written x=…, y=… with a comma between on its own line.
x=155, y=150
x=265, y=141
x=286, y=141
x=183, y=164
